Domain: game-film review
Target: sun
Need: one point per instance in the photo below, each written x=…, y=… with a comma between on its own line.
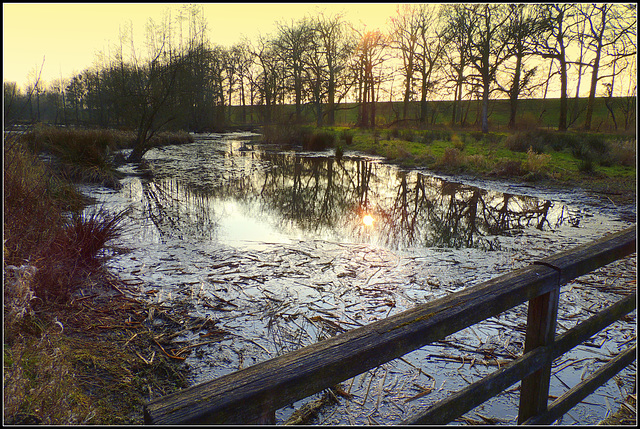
x=367, y=220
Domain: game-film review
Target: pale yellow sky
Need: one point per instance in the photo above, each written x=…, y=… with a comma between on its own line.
x=68, y=35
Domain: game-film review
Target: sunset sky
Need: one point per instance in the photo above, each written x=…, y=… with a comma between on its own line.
x=68, y=36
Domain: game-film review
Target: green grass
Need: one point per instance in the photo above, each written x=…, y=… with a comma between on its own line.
x=530, y=155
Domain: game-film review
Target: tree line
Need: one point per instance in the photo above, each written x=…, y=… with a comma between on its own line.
x=461, y=52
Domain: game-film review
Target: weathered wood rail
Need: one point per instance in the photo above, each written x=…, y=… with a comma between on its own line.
x=253, y=394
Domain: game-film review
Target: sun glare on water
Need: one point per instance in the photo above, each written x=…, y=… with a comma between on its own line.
x=367, y=220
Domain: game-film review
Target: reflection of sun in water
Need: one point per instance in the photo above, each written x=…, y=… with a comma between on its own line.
x=367, y=220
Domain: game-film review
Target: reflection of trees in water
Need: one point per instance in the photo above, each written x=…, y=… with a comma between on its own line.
x=179, y=210
x=322, y=194
x=411, y=208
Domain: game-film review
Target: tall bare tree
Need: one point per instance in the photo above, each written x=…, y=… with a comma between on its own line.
x=522, y=31
x=367, y=68
x=267, y=62
x=559, y=20
x=292, y=42
x=429, y=54
x=405, y=32
x=457, y=34
x=611, y=28
x=336, y=45
x=488, y=49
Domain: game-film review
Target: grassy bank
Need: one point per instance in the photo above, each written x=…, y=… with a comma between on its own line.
x=77, y=349
x=603, y=163
x=89, y=155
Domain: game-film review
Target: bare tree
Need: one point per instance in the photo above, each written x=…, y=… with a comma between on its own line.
x=611, y=28
x=459, y=27
x=429, y=54
x=149, y=86
x=558, y=22
x=243, y=58
x=488, y=49
x=292, y=43
x=405, y=31
x=369, y=57
x=522, y=31
x=267, y=81
x=336, y=46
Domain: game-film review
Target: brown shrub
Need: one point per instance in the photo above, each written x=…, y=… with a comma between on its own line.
x=452, y=158
x=622, y=152
x=508, y=168
x=536, y=163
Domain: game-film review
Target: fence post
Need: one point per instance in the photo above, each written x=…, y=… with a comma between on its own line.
x=541, y=329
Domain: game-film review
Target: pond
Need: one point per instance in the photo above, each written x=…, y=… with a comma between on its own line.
x=280, y=249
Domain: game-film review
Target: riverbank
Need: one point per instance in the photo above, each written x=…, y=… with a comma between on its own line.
x=94, y=360
x=78, y=347
x=604, y=165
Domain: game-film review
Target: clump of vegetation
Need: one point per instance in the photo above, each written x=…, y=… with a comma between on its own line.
x=536, y=162
x=166, y=138
x=429, y=136
x=80, y=155
x=288, y=136
x=536, y=140
x=508, y=168
x=39, y=230
x=621, y=153
x=347, y=136
x=34, y=201
x=90, y=155
x=453, y=158
x=58, y=367
x=309, y=138
x=319, y=140
x=457, y=142
x=71, y=256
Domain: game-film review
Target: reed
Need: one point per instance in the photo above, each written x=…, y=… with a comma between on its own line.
x=71, y=256
x=39, y=229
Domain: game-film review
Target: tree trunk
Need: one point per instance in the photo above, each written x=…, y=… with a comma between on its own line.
x=485, y=110
x=513, y=93
x=331, y=98
x=423, y=100
x=592, y=90
x=562, y=120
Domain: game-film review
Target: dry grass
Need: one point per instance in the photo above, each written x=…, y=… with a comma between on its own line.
x=34, y=200
x=39, y=386
x=622, y=152
x=71, y=256
x=452, y=158
x=536, y=162
x=68, y=361
x=89, y=155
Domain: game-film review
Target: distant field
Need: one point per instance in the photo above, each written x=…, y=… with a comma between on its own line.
x=531, y=113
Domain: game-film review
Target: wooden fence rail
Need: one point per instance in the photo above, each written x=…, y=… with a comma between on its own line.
x=253, y=394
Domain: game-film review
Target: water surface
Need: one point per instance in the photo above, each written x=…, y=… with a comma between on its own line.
x=271, y=245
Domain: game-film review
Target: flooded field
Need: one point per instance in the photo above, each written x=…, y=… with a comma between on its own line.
x=271, y=248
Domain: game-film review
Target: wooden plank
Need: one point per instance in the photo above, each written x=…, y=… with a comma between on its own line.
x=585, y=330
x=587, y=257
x=248, y=394
x=541, y=323
x=541, y=329
x=477, y=393
x=573, y=396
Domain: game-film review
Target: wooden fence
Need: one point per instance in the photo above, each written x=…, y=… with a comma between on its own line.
x=253, y=394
